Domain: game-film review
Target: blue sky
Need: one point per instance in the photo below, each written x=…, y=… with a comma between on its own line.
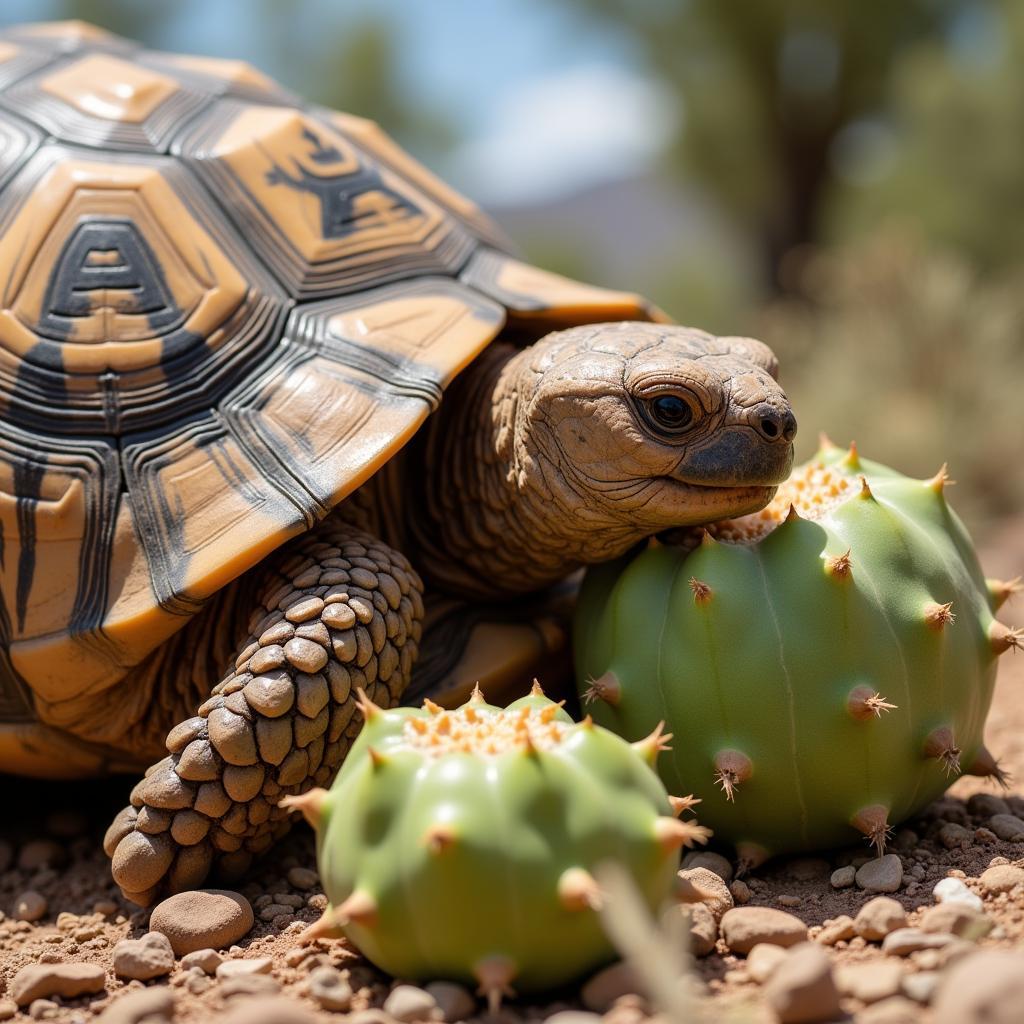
x=545, y=104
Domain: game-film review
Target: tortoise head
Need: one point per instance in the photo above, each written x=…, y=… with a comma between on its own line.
x=632, y=428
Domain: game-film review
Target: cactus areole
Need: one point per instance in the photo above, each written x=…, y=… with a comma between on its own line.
x=826, y=665
x=462, y=844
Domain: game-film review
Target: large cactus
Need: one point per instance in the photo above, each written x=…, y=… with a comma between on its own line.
x=461, y=844
x=828, y=662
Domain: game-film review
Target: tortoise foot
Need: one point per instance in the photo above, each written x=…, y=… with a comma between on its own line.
x=342, y=612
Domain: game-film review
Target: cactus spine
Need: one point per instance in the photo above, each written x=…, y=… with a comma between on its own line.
x=462, y=844
x=826, y=664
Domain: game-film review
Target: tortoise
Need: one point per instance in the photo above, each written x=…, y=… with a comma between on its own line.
x=231, y=495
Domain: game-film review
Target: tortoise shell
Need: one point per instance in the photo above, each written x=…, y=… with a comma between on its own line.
x=222, y=311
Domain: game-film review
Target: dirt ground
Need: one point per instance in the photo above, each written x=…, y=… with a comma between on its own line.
x=50, y=838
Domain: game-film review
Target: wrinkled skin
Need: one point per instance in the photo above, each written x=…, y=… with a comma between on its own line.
x=571, y=467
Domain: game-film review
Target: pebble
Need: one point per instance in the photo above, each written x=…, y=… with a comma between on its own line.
x=894, y=1010
x=273, y=1010
x=8, y=1008
x=985, y=805
x=703, y=930
x=329, y=988
x=763, y=959
x=153, y=1005
x=954, y=836
x=712, y=861
x=984, y=988
x=43, y=1009
x=64, y=979
x=303, y=878
x=145, y=958
x=240, y=968
x=744, y=927
x=740, y=891
x=878, y=917
x=905, y=941
x=409, y=1003
x=883, y=874
x=454, y=1001
x=573, y=1017
x=801, y=989
x=608, y=985
x=839, y=929
x=869, y=982
x=921, y=986
x=952, y=890
x=955, y=918
x=30, y=906
x=1007, y=826
x=249, y=985
x=843, y=878
x=701, y=885
x=207, y=960
x=1001, y=878
x=41, y=853
x=205, y=918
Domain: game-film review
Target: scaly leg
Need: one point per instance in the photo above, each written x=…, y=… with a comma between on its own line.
x=338, y=611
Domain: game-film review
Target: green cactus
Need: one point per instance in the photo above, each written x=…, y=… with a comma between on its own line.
x=828, y=662
x=459, y=844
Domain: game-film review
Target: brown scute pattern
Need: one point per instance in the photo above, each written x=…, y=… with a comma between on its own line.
x=340, y=611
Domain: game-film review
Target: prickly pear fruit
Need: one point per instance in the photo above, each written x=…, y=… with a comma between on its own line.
x=462, y=844
x=826, y=665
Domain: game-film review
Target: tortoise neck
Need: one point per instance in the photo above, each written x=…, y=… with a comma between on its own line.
x=495, y=519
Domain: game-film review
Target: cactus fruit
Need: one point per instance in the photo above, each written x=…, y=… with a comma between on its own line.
x=827, y=663
x=461, y=844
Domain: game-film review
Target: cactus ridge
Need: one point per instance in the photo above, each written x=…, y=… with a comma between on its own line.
x=462, y=843
x=847, y=624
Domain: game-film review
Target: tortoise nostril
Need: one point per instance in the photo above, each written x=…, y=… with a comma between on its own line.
x=775, y=424
x=769, y=428
x=789, y=427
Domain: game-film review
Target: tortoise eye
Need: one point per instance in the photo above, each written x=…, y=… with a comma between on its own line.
x=668, y=415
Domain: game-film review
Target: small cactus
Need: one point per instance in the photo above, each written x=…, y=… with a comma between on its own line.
x=826, y=663
x=462, y=844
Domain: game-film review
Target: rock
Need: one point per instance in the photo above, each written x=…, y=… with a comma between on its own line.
x=921, y=986
x=883, y=874
x=1001, y=878
x=842, y=878
x=573, y=1017
x=986, y=805
x=65, y=979
x=878, y=917
x=984, y=988
x=43, y=1009
x=205, y=918
x=329, y=988
x=303, y=878
x=701, y=885
x=8, y=1007
x=207, y=960
x=249, y=985
x=954, y=836
x=894, y=1010
x=763, y=959
x=600, y=991
x=740, y=891
x=1007, y=826
x=905, y=941
x=41, y=853
x=240, y=968
x=955, y=918
x=409, y=1003
x=711, y=861
x=703, y=929
x=142, y=1006
x=30, y=906
x=801, y=989
x=870, y=983
x=454, y=1001
x=744, y=927
x=272, y=1010
x=838, y=930
x=145, y=958
x=952, y=890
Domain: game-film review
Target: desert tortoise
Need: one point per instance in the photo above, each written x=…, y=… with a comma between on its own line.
x=226, y=317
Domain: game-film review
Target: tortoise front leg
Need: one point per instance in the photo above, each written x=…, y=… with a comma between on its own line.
x=340, y=611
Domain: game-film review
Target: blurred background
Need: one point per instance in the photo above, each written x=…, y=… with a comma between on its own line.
x=842, y=178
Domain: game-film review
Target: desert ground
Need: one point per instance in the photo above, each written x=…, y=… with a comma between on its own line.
x=59, y=907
